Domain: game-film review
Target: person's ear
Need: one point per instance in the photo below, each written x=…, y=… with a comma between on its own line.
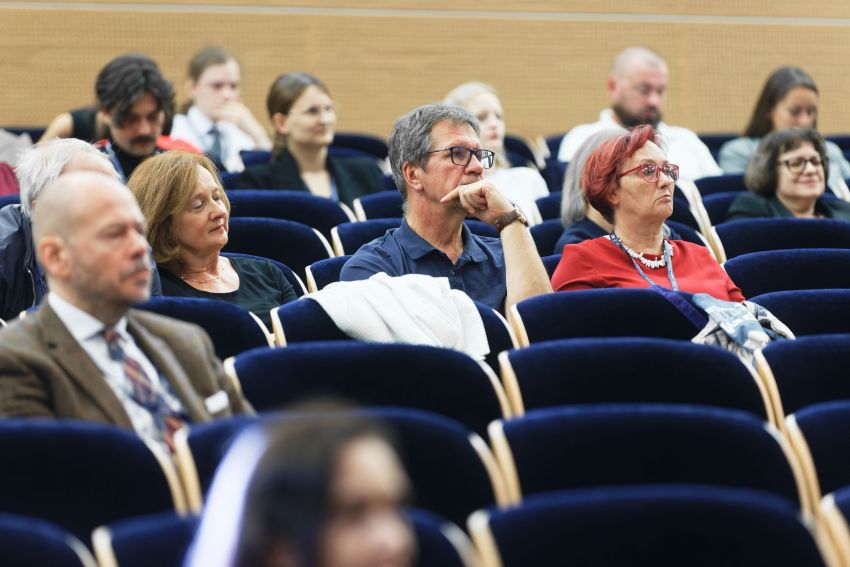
x=412, y=176
x=54, y=255
x=190, y=87
x=614, y=198
x=279, y=123
x=612, y=86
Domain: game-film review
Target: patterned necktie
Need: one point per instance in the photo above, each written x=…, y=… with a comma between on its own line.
x=215, y=148
x=142, y=389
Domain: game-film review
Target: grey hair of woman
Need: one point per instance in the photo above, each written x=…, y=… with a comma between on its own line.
x=573, y=204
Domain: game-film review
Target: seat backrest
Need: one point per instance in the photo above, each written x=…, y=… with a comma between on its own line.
x=366, y=143
x=717, y=205
x=822, y=430
x=602, y=370
x=682, y=213
x=319, y=212
x=809, y=370
x=14, y=199
x=384, y=204
x=756, y=235
x=350, y=236
x=324, y=272
x=231, y=328
x=758, y=273
x=686, y=232
x=296, y=282
x=546, y=235
x=292, y=243
x=27, y=541
x=439, y=542
x=304, y=321
x=663, y=526
x=549, y=206
x=810, y=311
x=160, y=539
x=619, y=444
x=720, y=184
x=81, y=475
x=516, y=145
x=550, y=263
x=715, y=141
x=599, y=313
x=428, y=378
x=481, y=228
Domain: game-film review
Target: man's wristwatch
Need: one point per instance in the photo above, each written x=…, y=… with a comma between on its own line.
x=509, y=218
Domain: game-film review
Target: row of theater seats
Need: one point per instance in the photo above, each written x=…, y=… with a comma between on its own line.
x=694, y=417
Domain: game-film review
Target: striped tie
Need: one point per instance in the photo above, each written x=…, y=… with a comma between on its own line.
x=142, y=389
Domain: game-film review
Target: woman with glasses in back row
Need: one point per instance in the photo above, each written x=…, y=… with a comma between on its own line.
x=787, y=177
x=629, y=181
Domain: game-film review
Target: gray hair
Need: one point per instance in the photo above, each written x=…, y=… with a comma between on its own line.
x=410, y=140
x=41, y=164
x=624, y=61
x=573, y=203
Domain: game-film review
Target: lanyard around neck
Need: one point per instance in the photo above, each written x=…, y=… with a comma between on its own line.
x=667, y=261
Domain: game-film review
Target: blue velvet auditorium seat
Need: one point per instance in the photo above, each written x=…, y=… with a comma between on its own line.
x=807, y=371
x=381, y=205
x=81, y=475
x=549, y=206
x=619, y=444
x=159, y=539
x=348, y=237
x=661, y=526
x=27, y=542
x=546, y=235
x=231, y=328
x=781, y=270
x=365, y=143
x=819, y=434
x=439, y=542
x=324, y=272
x=433, y=379
x=599, y=313
x=627, y=370
x=451, y=469
x=756, y=235
x=720, y=184
x=810, y=311
x=304, y=321
x=319, y=212
x=550, y=263
x=296, y=245
x=717, y=205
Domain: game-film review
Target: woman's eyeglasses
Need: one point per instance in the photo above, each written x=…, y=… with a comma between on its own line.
x=462, y=156
x=650, y=171
x=798, y=165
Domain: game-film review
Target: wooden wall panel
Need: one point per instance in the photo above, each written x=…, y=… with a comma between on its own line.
x=550, y=72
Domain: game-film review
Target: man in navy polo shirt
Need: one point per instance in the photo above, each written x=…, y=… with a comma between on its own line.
x=438, y=164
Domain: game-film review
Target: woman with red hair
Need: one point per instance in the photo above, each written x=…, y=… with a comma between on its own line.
x=629, y=181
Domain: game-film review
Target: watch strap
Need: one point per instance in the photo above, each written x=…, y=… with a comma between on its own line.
x=509, y=218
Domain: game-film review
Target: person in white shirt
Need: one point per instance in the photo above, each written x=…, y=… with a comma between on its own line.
x=519, y=184
x=637, y=87
x=214, y=119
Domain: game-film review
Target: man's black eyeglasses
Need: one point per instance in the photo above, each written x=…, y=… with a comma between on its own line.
x=462, y=156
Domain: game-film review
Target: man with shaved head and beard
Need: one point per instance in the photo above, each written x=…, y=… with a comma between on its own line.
x=637, y=88
x=85, y=354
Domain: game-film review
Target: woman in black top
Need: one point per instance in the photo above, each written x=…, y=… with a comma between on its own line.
x=304, y=119
x=187, y=215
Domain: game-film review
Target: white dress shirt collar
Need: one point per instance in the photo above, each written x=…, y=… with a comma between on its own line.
x=81, y=324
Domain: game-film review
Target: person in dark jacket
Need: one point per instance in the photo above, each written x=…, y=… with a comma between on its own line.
x=786, y=177
x=22, y=283
x=304, y=119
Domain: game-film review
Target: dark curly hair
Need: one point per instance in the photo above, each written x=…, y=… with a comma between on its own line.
x=127, y=78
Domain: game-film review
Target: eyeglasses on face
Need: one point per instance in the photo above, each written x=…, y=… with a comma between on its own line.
x=462, y=156
x=650, y=171
x=798, y=164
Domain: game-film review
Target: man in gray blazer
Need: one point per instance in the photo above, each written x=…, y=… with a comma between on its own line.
x=85, y=354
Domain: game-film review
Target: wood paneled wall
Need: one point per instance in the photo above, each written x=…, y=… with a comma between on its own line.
x=381, y=58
